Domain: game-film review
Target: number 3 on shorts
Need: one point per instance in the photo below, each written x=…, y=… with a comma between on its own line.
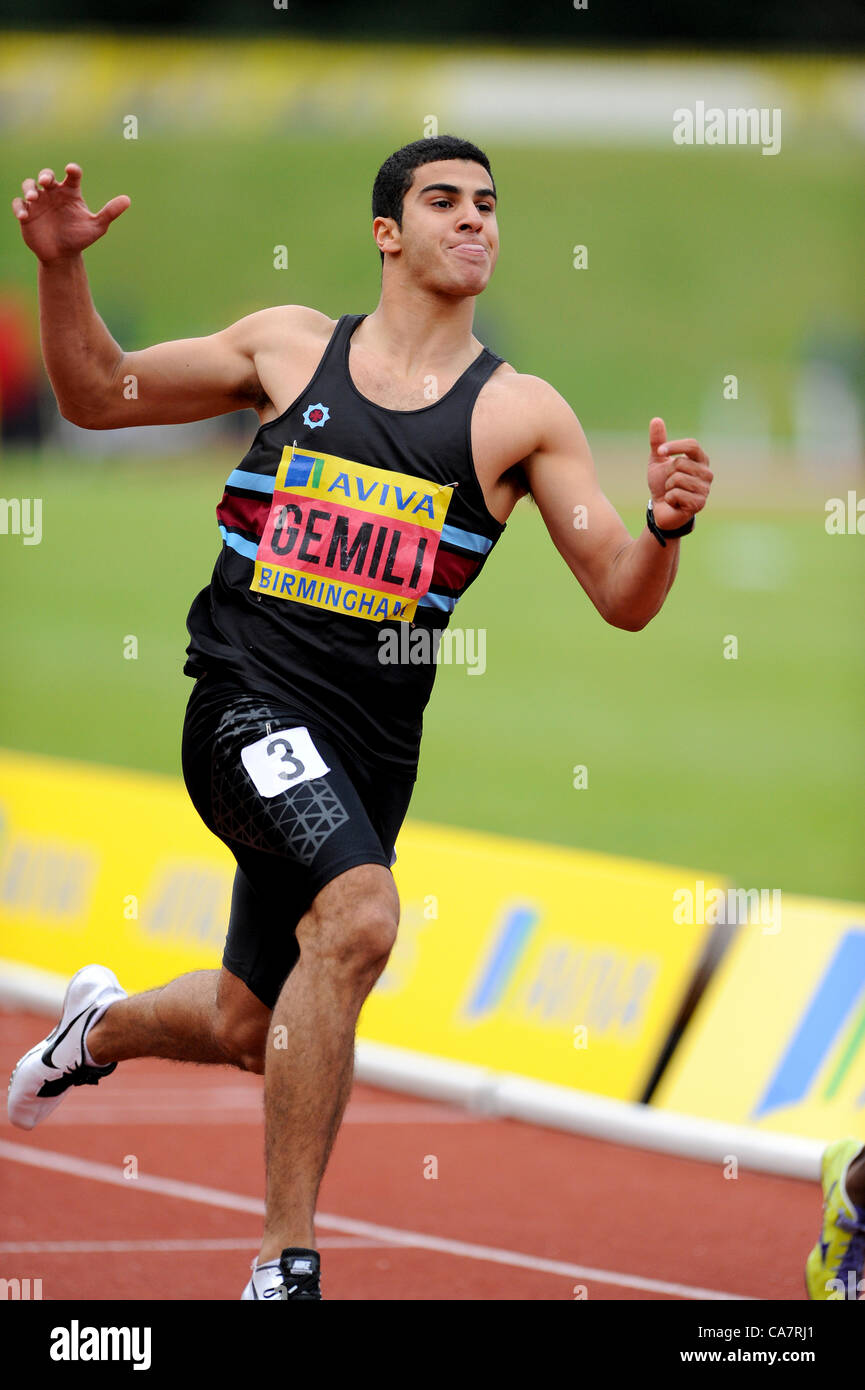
x=282, y=760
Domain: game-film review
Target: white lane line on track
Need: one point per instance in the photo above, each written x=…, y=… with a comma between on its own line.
x=180, y=1111
x=193, y=1109
x=125, y=1118
x=126, y=1247
x=233, y=1201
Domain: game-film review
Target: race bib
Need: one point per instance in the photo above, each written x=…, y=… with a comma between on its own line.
x=349, y=537
x=281, y=760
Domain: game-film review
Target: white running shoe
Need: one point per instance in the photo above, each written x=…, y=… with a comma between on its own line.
x=45, y=1073
x=296, y=1274
x=266, y=1282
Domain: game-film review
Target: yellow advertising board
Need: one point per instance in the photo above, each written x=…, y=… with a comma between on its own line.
x=552, y=963
x=778, y=1040
x=99, y=864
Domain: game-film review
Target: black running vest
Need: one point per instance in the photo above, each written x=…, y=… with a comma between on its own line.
x=346, y=528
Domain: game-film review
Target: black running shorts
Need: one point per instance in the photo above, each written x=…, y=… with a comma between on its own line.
x=295, y=811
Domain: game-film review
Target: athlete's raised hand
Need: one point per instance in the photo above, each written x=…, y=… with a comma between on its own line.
x=55, y=220
x=679, y=477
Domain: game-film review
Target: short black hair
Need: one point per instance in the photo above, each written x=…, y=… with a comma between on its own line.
x=394, y=178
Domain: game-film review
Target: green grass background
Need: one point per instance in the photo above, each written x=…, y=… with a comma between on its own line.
x=697, y=267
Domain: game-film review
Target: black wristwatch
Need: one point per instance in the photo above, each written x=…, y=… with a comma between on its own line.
x=663, y=536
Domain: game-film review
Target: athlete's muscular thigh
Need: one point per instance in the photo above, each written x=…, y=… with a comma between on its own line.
x=352, y=922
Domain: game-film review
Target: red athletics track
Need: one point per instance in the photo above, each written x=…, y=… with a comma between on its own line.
x=516, y=1212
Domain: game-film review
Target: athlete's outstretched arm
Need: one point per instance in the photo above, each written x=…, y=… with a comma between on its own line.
x=96, y=383
x=627, y=579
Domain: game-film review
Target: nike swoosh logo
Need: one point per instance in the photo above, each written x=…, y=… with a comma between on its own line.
x=48, y=1054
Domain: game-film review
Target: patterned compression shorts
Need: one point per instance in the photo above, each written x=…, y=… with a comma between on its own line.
x=268, y=780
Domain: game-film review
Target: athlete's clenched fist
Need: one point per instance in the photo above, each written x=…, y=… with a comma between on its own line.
x=55, y=220
x=679, y=477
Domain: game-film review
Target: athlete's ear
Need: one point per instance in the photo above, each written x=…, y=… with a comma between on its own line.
x=387, y=234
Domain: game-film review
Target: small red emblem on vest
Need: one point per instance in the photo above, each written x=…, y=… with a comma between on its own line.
x=316, y=415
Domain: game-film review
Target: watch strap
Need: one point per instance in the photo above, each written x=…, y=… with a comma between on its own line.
x=663, y=536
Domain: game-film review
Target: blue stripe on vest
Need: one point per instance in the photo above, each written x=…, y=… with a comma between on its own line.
x=249, y=549
x=250, y=482
x=467, y=540
x=446, y=605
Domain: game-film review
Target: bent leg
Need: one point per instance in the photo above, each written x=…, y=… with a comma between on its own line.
x=206, y=1016
x=216, y=1016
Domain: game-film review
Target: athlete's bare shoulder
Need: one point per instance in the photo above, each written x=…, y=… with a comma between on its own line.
x=511, y=413
x=286, y=343
x=520, y=390
x=303, y=317
x=284, y=322
x=512, y=417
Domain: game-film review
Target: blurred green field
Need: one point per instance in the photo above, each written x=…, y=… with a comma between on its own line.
x=753, y=767
x=698, y=266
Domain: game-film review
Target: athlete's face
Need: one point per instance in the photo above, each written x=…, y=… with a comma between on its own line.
x=449, y=237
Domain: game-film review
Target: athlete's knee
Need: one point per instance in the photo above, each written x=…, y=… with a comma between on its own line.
x=353, y=929
x=243, y=1040
x=240, y=1025
x=370, y=937
x=361, y=943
